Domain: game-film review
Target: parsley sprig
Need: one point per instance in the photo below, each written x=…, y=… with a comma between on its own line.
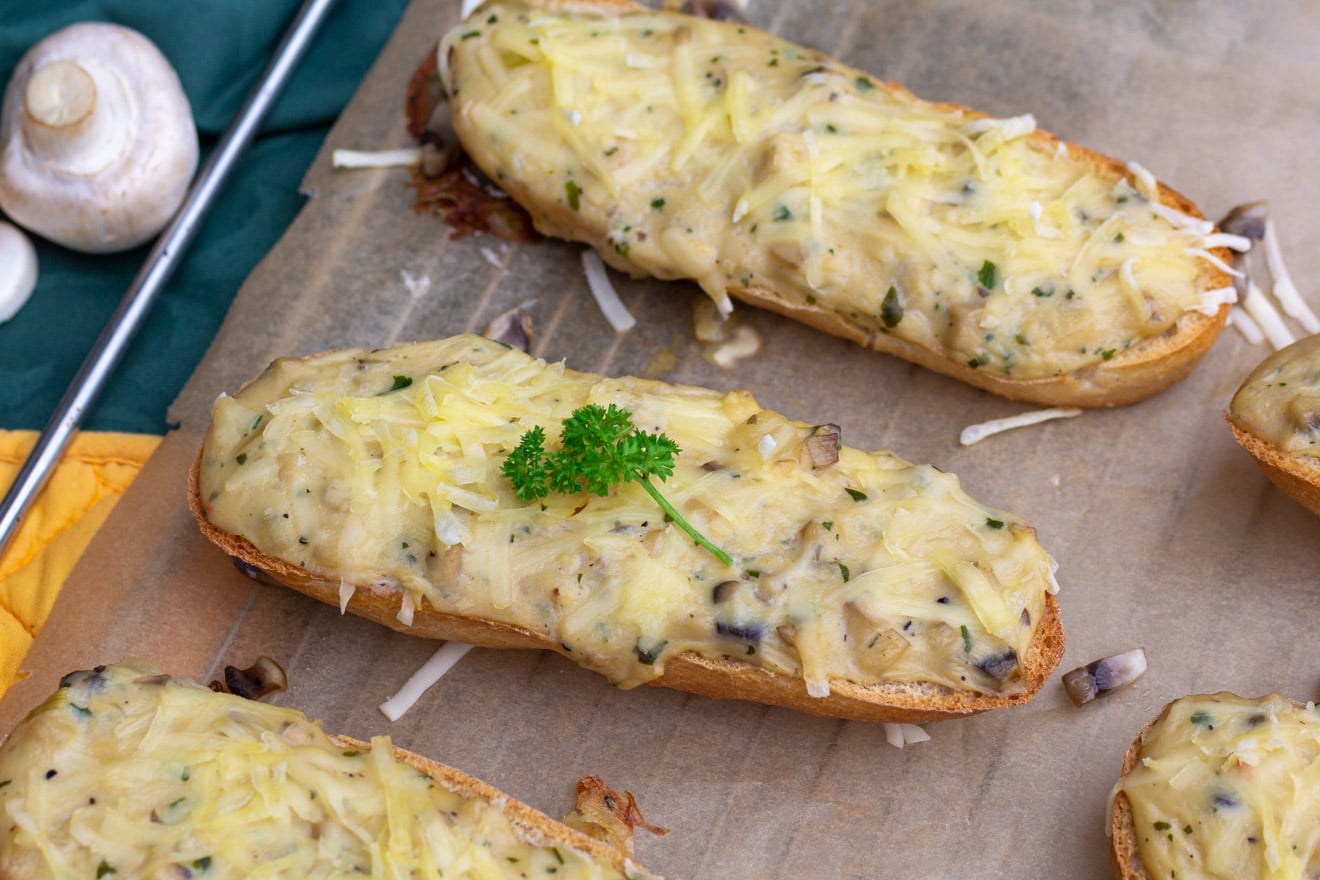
x=600, y=447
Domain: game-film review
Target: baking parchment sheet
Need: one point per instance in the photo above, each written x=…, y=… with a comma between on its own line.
x=1166, y=534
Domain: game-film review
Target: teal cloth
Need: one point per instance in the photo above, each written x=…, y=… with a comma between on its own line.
x=219, y=48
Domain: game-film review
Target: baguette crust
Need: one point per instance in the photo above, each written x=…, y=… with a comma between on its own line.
x=721, y=678
x=1301, y=483
x=1123, y=854
x=1145, y=368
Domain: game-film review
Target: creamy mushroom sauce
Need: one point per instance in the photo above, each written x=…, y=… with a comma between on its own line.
x=383, y=468
x=1280, y=401
x=686, y=148
x=126, y=772
x=1229, y=788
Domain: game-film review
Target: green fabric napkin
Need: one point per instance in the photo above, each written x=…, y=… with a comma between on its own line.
x=219, y=48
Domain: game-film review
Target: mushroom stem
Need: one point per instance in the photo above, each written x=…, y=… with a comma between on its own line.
x=77, y=115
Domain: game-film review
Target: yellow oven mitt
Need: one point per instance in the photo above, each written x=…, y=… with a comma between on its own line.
x=95, y=471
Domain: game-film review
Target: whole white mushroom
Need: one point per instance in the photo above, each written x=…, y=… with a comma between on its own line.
x=97, y=140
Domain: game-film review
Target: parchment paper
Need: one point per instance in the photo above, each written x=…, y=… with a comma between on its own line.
x=1166, y=534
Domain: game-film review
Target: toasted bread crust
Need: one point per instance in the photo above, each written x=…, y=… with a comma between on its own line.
x=532, y=825
x=1146, y=368
x=721, y=678
x=1301, y=483
x=1123, y=854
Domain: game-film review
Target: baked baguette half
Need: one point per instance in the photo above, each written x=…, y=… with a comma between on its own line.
x=1220, y=786
x=981, y=248
x=127, y=772
x=1275, y=416
x=858, y=586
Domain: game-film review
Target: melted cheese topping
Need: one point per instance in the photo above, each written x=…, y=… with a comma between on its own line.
x=125, y=772
x=687, y=148
x=383, y=468
x=1280, y=401
x=1229, y=788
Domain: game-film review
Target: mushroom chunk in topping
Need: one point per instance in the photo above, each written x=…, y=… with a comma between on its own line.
x=823, y=445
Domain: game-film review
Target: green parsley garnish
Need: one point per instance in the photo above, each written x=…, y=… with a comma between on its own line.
x=863, y=84
x=400, y=383
x=891, y=310
x=967, y=639
x=857, y=496
x=574, y=193
x=658, y=204
x=599, y=447
x=782, y=213
x=994, y=523
x=843, y=570
x=987, y=275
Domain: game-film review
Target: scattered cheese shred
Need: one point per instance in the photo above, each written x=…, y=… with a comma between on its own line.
x=1284, y=289
x=1246, y=325
x=420, y=681
x=978, y=432
x=1268, y=317
x=606, y=296
x=376, y=158
x=1211, y=300
x=903, y=734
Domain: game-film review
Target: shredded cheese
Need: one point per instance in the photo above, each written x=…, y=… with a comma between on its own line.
x=376, y=158
x=607, y=298
x=1284, y=289
x=1267, y=317
x=421, y=681
x=1246, y=325
x=978, y=432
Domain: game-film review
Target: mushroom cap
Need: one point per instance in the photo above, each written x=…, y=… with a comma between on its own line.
x=148, y=170
x=18, y=270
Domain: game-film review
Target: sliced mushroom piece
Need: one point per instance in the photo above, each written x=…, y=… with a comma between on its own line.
x=1000, y=666
x=876, y=644
x=513, y=327
x=1102, y=676
x=1247, y=220
x=721, y=10
x=261, y=678
x=823, y=444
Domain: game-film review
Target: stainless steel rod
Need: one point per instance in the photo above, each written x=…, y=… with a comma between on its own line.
x=150, y=281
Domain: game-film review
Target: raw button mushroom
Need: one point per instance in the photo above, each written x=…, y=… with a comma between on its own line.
x=97, y=141
x=18, y=270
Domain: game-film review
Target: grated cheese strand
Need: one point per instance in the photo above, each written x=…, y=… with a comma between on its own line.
x=978, y=432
